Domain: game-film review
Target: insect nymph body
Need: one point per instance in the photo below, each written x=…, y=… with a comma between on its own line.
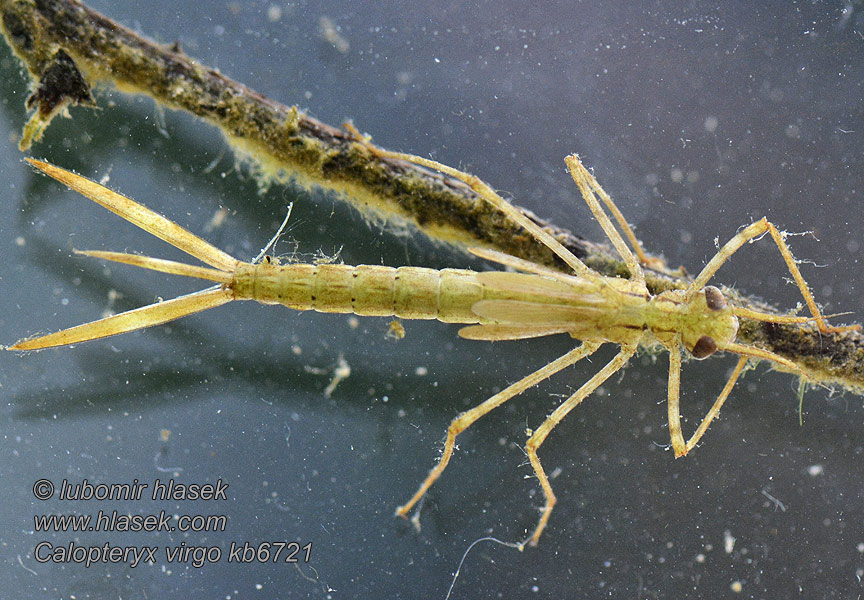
x=496, y=305
x=596, y=308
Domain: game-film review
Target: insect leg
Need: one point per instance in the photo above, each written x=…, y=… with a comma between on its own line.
x=672, y=399
x=536, y=440
x=678, y=445
x=519, y=264
x=746, y=353
x=487, y=193
x=718, y=404
x=588, y=186
x=466, y=419
x=742, y=237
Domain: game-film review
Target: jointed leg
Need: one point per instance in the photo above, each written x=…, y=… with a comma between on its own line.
x=588, y=186
x=466, y=419
x=487, y=193
x=672, y=399
x=536, y=440
x=718, y=404
x=742, y=237
x=520, y=264
x=746, y=353
x=678, y=445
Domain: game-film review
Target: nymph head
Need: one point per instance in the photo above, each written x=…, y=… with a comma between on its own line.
x=708, y=323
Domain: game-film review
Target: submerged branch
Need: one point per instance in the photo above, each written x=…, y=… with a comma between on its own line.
x=68, y=48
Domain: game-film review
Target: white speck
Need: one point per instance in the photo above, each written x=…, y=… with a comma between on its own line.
x=728, y=542
x=815, y=470
x=274, y=13
x=711, y=124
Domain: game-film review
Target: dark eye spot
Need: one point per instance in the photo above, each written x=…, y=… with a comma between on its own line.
x=705, y=347
x=714, y=298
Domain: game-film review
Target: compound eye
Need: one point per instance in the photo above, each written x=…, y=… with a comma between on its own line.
x=714, y=298
x=705, y=347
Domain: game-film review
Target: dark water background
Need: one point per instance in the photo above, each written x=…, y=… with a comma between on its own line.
x=696, y=119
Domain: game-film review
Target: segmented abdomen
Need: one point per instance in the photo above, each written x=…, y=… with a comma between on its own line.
x=368, y=290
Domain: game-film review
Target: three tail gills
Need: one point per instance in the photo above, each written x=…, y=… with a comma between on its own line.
x=154, y=314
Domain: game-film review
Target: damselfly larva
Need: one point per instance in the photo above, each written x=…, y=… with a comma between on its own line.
x=537, y=301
